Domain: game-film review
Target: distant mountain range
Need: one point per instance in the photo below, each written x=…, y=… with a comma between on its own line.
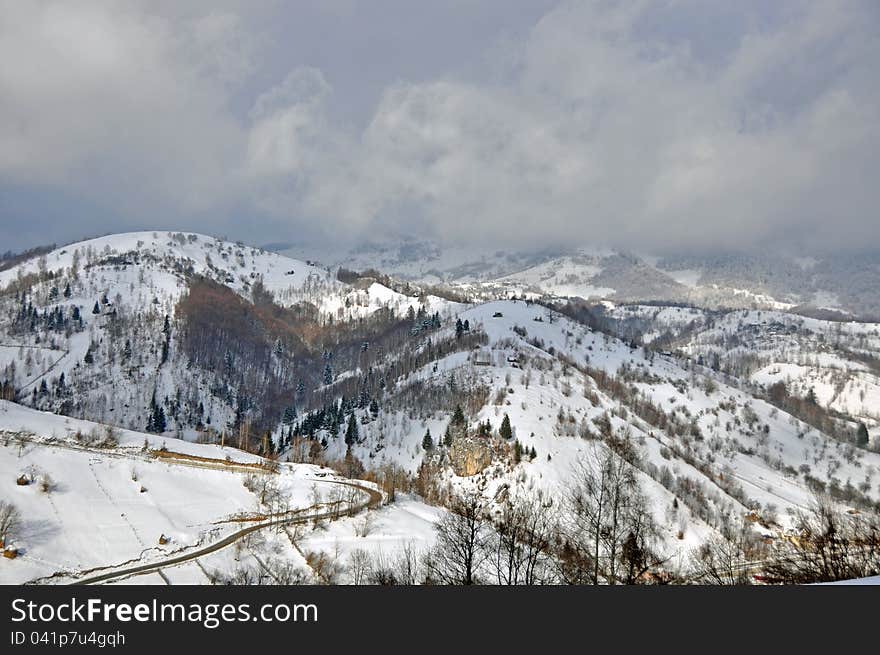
x=845, y=283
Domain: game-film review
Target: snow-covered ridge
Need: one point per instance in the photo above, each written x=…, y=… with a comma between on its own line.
x=233, y=264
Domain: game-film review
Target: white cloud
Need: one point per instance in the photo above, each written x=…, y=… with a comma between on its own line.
x=609, y=134
x=101, y=98
x=614, y=122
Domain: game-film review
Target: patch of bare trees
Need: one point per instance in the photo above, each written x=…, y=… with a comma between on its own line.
x=404, y=568
x=523, y=536
x=831, y=545
x=274, y=571
x=600, y=532
x=725, y=558
x=607, y=533
x=461, y=544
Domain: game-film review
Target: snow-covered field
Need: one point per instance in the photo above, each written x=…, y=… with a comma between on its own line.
x=92, y=509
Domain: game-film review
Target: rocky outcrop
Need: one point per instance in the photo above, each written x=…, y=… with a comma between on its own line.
x=470, y=455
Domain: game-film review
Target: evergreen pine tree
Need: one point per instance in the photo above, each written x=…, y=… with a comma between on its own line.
x=447, y=437
x=328, y=374
x=159, y=422
x=458, y=416
x=156, y=418
x=289, y=415
x=374, y=408
x=862, y=435
x=427, y=442
x=97, y=308
x=351, y=432
x=505, y=431
x=67, y=291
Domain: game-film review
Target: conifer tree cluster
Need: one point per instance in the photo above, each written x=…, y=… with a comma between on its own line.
x=56, y=319
x=329, y=419
x=156, y=419
x=422, y=322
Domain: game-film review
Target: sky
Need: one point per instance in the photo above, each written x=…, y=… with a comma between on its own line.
x=669, y=126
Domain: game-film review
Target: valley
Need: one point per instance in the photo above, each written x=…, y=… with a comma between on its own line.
x=276, y=419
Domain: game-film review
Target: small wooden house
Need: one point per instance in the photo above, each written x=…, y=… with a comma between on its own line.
x=10, y=553
x=23, y=480
x=163, y=540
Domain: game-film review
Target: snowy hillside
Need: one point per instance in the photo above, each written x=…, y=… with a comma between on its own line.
x=98, y=500
x=93, y=329
x=708, y=451
x=724, y=416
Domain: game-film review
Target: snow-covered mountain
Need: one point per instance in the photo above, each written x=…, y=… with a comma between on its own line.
x=841, y=283
x=440, y=378
x=93, y=329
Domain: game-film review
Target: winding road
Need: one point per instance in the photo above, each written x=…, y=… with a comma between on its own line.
x=374, y=498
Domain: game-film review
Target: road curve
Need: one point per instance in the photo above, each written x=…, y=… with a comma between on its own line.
x=375, y=498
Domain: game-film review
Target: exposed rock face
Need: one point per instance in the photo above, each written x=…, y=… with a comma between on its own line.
x=469, y=456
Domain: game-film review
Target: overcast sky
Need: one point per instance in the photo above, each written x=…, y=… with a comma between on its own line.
x=661, y=125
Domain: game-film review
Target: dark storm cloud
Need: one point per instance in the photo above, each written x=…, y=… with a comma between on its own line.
x=655, y=125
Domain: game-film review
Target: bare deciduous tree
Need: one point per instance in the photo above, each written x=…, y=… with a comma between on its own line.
x=47, y=484
x=358, y=566
x=460, y=548
x=10, y=519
